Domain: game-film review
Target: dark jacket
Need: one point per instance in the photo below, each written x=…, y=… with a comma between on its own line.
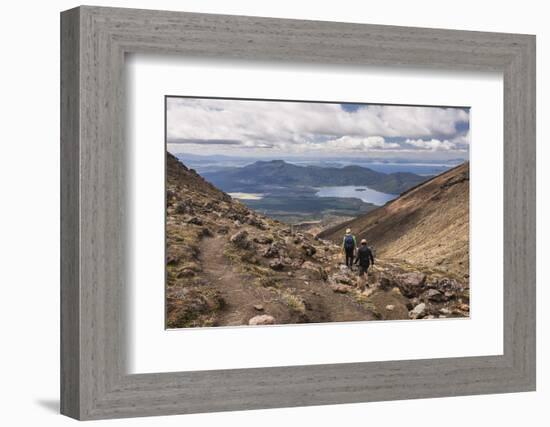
x=364, y=256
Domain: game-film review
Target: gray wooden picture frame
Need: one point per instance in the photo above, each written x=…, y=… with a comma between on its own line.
x=94, y=41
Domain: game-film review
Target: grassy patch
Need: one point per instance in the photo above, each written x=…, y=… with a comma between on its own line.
x=367, y=304
x=293, y=302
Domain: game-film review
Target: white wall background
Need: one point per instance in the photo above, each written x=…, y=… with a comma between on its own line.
x=29, y=214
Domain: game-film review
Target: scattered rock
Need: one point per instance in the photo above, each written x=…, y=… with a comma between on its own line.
x=259, y=307
x=445, y=311
x=263, y=240
x=396, y=291
x=223, y=229
x=240, y=239
x=433, y=295
x=252, y=220
x=172, y=259
x=464, y=307
x=308, y=249
x=317, y=271
x=195, y=220
x=411, y=284
x=418, y=311
x=271, y=252
x=276, y=265
x=185, y=272
x=368, y=292
x=385, y=284
x=263, y=319
x=183, y=208
x=341, y=278
x=170, y=194
x=341, y=289
x=390, y=307
x=205, y=232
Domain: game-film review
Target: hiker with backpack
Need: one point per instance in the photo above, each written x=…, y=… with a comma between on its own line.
x=365, y=260
x=348, y=245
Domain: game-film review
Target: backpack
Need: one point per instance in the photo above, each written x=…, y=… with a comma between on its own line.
x=348, y=242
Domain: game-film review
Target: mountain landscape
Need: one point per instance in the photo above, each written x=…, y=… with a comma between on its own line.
x=278, y=173
x=230, y=264
x=290, y=192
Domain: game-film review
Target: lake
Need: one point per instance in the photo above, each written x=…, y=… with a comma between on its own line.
x=359, y=192
x=247, y=196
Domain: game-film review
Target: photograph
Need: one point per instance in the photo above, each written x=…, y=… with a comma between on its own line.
x=303, y=212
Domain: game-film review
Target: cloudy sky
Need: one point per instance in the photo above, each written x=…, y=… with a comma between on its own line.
x=274, y=129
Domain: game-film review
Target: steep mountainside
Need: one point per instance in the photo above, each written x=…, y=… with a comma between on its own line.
x=280, y=173
x=228, y=265
x=427, y=226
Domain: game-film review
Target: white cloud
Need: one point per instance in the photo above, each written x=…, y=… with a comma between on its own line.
x=360, y=143
x=431, y=144
x=299, y=127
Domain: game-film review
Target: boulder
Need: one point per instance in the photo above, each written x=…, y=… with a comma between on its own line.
x=195, y=220
x=464, y=307
x=254, y=221
x=240, y=239
x=276, y=265
x=262, y=319
x=418, y=311
x=433, y=295
x=185, y=272
x=271, y=252
x=263, y=240
x=308, y=249
x=341, y=278
x=368, y=292
x=385, y=284
x=183, y=208
x=411, y=284
x=170, y=194
x=223, y=229
x=317, y=271
x=449, y=285
x=172, y=259
x=205, y=232
x=341, y=289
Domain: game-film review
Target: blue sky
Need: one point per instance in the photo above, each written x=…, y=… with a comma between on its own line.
x=281, y=129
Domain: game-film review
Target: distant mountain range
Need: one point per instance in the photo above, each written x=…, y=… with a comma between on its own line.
x=278, y=173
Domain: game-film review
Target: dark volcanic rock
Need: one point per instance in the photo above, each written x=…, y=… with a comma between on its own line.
x=276, y=265
x=240, y=239
x=195, y=220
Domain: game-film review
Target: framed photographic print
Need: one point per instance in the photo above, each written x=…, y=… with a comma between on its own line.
x=262, y=213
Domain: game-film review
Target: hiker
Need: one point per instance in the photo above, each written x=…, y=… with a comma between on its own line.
x=365, y=259
x=348, y=245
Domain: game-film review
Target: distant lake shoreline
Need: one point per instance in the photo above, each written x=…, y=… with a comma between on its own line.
x=362, y=192
x=247, y=196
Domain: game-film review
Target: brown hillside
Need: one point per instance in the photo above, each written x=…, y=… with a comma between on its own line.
x=427, y=226
x=227, y=264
